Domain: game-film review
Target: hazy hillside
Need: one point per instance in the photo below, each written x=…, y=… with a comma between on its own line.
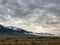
x=9, y=30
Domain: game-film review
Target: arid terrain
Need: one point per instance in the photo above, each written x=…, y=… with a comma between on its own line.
x=16, y=40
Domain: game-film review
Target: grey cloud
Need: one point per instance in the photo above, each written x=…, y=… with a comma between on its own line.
x=18, y=10
x=36, y=11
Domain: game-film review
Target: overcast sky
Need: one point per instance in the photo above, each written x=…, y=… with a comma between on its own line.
x=31, y=15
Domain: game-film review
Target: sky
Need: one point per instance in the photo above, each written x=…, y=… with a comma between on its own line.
x=31, y=15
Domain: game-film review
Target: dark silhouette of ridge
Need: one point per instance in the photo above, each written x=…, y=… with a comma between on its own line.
x=18, y=31
x=13, y=30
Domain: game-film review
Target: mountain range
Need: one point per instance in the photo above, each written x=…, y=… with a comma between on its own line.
x=9, y=30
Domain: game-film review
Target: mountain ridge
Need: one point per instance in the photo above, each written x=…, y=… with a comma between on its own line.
x=10, y=30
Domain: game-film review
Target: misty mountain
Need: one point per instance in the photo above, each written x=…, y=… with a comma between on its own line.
x=18, y=31
x=12, y=30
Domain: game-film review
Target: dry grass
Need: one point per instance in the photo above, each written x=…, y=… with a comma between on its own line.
x=29, y=41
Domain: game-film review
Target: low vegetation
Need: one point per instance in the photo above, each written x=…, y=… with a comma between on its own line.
x=29, y=40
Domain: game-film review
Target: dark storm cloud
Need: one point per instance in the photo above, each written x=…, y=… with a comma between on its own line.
x=20, y=10
x=23, y=8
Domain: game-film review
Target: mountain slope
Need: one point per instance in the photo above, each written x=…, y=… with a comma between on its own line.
x=21, y=32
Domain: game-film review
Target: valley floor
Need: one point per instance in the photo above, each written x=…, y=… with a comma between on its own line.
x=16, y=40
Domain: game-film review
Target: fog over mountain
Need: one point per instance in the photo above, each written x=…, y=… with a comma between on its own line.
x=13, y=31
x=32, y=15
